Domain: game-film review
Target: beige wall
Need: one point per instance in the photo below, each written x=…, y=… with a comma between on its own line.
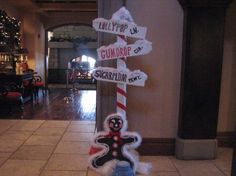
x=227, y=110
x=40, y=51
x=34, y=40
x=153, y=110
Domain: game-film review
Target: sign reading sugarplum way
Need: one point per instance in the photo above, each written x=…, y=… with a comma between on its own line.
x=125, y=76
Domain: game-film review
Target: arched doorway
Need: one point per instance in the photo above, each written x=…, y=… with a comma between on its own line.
x=80, y=70
x=72, y=54
x=66, y=43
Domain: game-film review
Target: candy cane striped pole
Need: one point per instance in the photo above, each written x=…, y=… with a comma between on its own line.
x=121, y=88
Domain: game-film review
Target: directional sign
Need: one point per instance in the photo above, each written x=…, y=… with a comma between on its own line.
x=120, y=27
x=120, y=50
x=124, y=76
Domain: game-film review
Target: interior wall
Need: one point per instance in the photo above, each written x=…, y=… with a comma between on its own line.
x=40, y=50
x=62, y=18
x=66, y=55
x=34, y=41
x=227, y=110
x=153, y=109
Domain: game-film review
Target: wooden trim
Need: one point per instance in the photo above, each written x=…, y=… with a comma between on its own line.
x=201, y=3
x=157, y=146
x=166, y=146
x=65, y=1
x=225, y=139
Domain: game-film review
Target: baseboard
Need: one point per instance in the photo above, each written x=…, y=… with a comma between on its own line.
x=195, y=149
x=157, y=146
x=166, y=146
x=225, y=139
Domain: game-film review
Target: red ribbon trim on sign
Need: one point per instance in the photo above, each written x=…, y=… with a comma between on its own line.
x=121, y=106
x=121, y=91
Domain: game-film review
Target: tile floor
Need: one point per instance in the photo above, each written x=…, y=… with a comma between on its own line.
x=60, y=148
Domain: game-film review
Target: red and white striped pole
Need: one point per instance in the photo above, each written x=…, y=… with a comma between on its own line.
x=121, y=88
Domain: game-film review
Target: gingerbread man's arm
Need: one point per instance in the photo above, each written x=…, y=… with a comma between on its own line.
x=101, y=139
x=131, y=138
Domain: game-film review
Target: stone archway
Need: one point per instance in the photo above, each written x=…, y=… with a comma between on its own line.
x=65, y=43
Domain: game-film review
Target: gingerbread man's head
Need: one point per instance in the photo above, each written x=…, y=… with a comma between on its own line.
x=115, y=123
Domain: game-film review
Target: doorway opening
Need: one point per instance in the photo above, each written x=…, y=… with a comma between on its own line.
x=71, y=47
x=80, y=70
x=71, y=57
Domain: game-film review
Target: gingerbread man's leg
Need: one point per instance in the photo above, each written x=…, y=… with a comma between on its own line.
x=123, y=158
x=106, y=156
x=101, y=160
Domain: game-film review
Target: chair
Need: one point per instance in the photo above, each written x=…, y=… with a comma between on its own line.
x=37, y=85
x=11, y=98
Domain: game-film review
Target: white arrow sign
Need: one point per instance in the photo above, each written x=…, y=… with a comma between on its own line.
x=120, y=27
x=120, y=50
x=124, y=76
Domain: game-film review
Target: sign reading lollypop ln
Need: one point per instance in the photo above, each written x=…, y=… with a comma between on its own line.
x=121, y=50
x=120, y=27
x=125, y=76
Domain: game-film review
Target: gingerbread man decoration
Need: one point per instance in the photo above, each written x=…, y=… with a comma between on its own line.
x=115, y=143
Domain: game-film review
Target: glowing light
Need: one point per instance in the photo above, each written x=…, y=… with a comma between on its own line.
x=88, y=101
x=91, y=60
x=50, y=35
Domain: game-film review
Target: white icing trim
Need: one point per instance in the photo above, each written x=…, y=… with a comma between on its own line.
x=126, y=150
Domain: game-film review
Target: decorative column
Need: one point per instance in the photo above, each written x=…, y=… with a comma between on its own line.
x=203, y=39
x=106, y=94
